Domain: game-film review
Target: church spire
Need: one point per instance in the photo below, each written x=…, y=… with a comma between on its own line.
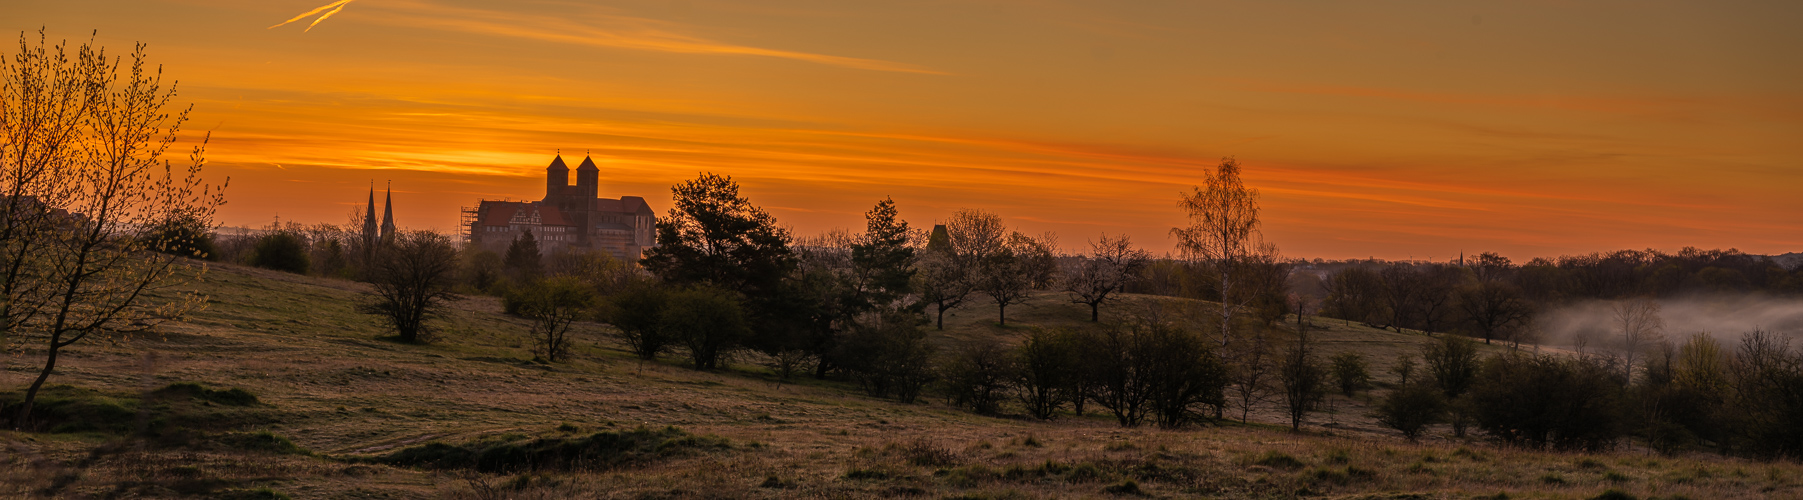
x=388, y=215
x=369, y=219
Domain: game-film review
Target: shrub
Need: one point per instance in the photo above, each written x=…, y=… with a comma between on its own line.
x=553, y=305
x=601, y=450
x=1048, y=372
x=636, y=313
x=229, y=397
x=889, y=357
x=282, y=251
x=184, y=236
x=1349, y=370
x=708, y=321
x=1545, y=400
x=977, y=377
x=1411, y=408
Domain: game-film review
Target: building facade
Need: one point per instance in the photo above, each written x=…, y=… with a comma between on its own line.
x=569, y=218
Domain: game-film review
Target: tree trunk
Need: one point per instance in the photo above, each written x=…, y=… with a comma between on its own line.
x=941, y=316
x=31, y=395
x=1095, y=312
x=1001, y=314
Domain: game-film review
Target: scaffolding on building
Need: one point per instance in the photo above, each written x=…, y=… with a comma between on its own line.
x=466, y=221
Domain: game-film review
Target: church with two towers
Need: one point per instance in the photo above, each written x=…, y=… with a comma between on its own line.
x=569, y=218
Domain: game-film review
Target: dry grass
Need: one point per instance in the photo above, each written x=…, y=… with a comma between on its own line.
x=343, y=393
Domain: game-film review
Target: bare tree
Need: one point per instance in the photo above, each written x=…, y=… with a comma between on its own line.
x=1223, y=229
x=1402, y=291
x=1110, y=266
x=1641, y=327
x=412, y=281
x=1494, y=308
x=1249, y=379
x=1303, y=379
x=97, y=269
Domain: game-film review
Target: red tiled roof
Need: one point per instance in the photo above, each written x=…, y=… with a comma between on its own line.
x=501, y=213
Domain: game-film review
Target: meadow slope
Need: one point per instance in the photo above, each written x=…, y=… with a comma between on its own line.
x=326, y=380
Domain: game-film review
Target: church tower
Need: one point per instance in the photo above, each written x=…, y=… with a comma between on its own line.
x=369, y=220
x=587, y=180
x=388, y=217
x=557, y=177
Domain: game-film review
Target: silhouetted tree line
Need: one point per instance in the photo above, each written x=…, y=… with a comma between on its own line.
x=1695, y=395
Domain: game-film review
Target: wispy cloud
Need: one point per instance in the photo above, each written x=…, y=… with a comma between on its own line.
x=594, y=29
x=334, y=6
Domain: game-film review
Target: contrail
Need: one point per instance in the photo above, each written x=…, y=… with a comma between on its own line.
x=334, y=6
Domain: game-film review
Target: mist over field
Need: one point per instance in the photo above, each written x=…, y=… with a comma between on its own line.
x=1726, y=317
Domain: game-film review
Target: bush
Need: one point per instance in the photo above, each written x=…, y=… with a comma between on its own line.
x=412, y=280
x=708, y=321
x=1545, y=400
x=977, y=377
x=184, y=236
x=229, y=397
x=1048, y=372
x=1349, y=370
x=601, y=450
x=553, y=305
x=1411, y=408
x=889, y=357
x=636, y=312
x=282, y=251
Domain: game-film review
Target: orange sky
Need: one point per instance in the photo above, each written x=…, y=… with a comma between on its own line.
x=1387, y=129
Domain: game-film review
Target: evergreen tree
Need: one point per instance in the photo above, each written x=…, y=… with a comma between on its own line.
x=522, y=257
x=883, y=260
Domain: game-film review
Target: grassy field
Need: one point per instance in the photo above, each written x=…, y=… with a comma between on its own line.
x=362, y=414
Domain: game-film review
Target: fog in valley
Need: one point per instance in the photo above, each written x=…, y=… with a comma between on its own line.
x=1725, y=317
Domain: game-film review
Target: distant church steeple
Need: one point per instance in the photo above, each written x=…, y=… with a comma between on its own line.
x=370, y=236
x=388, y=215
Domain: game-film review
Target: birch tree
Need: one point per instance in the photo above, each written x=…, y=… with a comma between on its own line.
x=1223, y=230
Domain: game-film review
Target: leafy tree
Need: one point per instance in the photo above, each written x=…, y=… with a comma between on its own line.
x=553, y=305
x=708, y=321
x=282, y=251
x=638, y=313
x=412, y=281
x=80, y=136
x=712, y=235
x=1093, y=279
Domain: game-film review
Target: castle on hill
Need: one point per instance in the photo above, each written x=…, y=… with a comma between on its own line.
x=569, y=218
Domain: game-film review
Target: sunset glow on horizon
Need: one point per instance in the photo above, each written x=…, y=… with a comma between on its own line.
x=1394, y=130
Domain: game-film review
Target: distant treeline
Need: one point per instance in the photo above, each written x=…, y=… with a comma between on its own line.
x=1486, y=296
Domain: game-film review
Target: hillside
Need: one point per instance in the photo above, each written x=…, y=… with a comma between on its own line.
x=327, y=381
